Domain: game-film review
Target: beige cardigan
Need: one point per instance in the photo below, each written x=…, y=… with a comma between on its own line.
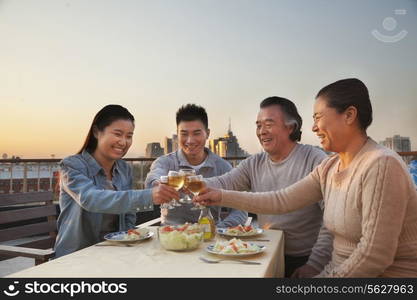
x=370, y=207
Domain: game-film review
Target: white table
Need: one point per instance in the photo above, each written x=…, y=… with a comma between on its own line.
x=147, y=259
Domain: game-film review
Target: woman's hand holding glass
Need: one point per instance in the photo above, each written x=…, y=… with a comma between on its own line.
x=208, y=196
x=162, y=193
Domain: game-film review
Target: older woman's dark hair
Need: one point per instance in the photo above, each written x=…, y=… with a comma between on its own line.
x=349, y=92
x=102, y=119
x=291, y=115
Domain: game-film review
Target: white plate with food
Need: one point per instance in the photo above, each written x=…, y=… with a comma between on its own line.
x=235, y=247
x=130, y=236
x=240, y=231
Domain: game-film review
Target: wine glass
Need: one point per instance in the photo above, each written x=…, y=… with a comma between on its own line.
x=175, y=180
x=187, y=173
x=195, y=185
x=164, y=180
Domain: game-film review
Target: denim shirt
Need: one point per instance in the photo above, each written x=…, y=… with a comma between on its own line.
x=83, y=200
x=214, y=165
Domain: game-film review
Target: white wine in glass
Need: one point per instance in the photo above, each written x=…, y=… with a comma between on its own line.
x=187, y=173
x=196, y=184
x=175, y=180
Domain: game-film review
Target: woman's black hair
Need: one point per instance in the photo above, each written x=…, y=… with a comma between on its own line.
x=102, y=119
x=349, y=92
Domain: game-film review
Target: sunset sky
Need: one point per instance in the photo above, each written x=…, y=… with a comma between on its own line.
x=62, y=61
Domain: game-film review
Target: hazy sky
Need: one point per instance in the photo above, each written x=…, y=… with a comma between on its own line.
x=62, y=61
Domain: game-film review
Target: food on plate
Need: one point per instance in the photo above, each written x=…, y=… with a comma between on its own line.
x=134, y=234
x=180, y=237
x=235, y=246
x=241, y=230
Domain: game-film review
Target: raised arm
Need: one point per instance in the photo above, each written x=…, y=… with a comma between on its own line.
x=304, y=192
x=82, y=189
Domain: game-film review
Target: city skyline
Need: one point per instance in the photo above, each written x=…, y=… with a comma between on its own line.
x=388, y=142
x=226, y=145
x=65, y=60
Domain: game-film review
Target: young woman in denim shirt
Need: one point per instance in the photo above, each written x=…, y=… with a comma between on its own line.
x=96, y=195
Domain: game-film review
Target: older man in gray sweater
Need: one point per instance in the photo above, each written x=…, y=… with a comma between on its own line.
x=308, y=245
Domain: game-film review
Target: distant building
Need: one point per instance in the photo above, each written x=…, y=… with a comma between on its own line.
x=167, y=145
x=397, y=143
x=174, y=142
x=219, y=146
x=154, y=150
x=227, y=146
x=170, y=144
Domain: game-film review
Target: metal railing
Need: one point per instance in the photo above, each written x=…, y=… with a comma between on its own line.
x=24, y=175
x=27, y=175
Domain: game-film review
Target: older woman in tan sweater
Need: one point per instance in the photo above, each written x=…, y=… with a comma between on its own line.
x=370, y=199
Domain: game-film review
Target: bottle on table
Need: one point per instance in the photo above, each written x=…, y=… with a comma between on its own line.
x=207, y=221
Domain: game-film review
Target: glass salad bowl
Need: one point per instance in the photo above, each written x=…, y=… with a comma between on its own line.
x=181, y=237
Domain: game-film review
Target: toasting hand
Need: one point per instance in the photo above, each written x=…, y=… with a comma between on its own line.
x=163, y=193
x=208, y=196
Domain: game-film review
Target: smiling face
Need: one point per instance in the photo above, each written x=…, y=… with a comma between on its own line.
x=271, y=130
x=330, y=126
x=114, y=141
x=192, y=137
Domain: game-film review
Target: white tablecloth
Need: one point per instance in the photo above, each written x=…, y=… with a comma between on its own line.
x=148, y=259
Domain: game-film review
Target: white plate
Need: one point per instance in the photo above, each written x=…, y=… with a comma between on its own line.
x=223, y=231
x=119, y=237
x=210, y=249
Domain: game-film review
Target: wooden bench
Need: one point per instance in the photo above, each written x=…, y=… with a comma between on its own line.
x=28, y=215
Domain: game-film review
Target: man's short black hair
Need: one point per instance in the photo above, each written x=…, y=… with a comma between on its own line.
x=192, y=112
x=292, y=117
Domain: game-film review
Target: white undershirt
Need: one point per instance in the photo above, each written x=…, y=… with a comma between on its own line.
x=198, y=167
